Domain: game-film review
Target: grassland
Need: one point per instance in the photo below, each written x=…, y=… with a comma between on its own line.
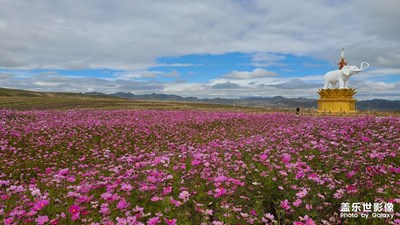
x=29, y=100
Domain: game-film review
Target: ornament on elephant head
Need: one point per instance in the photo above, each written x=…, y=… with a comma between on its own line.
x=343, y=74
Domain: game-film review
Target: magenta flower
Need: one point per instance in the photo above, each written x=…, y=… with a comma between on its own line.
x=126, y=187
x=104, y=209
x=285, y=204
x=298, y=202
x=167, y=190
x=302, y=193
x=351, y=189
x=170, y=222
x=131, y=219
x=9, y=221
x=42, y=220
x=63, y=172
x=153, y=220
x=121, y=221
x=74, y=209
x=122, y=204
x=309, y=222
x=76, y=216
x=350, y=174
x=365, y=139
x=165, y=158
x=220, y=179
x=175, y=202
x=40, y=204
x=195, y=162
x=184, y=195
x=298, y=223
x=219, y=192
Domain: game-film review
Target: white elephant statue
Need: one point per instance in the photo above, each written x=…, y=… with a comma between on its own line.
x=342, y=76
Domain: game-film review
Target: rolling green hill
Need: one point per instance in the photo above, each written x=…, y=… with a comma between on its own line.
x=26, y=100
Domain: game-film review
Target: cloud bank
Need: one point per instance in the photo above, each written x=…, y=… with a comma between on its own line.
x=131, y=37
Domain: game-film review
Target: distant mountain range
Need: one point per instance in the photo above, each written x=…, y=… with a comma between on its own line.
x=273, y=102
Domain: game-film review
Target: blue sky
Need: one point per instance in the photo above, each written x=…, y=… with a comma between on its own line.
x=210, y=48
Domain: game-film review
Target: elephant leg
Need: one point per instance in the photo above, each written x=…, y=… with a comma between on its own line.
x=326, y=85
x=341, y=84
x=346, y=84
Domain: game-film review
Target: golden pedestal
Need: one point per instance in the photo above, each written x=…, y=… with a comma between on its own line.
x=337, y=101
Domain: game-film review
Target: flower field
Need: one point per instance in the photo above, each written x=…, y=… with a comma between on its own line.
x=194, y=167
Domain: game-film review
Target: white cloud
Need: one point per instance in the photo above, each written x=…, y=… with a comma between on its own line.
x=380, y=72
x=256, y=73
x=76, y=65
x=122, y=35
x=265, y=59
x=173, y=73
x=265, y=87
x=127, y=75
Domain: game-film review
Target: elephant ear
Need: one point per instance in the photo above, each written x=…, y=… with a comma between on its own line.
x=346, y=70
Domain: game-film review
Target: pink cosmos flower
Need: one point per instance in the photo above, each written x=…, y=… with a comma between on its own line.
x=298, y=202
x=338, y=194
x=9, y=221
x=122, y=204
x=131, y=219
x=298, y=223
x=286, y=158
x=71, y=179
x=350, y=174
x=285, y=204
x=156, y=198
x=109, y=196
x=104, y=209
x=219, y=192
x=302, y=193
x=170, y=222
x=74, y=209
x=126, y=187
x=310, y=222
x=195, y=162
x=83, y=199
x=42, y=220
x=351, y=189
x=48, y=170
x=209, y=212
x=365, y=139
x=167, y=190
x=184, y=195
x=220, y=179
x=31, y=213
x=40, y=204
x=76, y=216
x=121, y=221
x=269, y=216
x=63, y=172
x=153, y=220
x=300, y=174
x=175, y=202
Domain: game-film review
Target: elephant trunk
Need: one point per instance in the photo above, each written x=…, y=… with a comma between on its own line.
x=364, y=65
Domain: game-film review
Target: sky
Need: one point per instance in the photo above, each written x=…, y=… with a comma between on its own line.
x=206, y=49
